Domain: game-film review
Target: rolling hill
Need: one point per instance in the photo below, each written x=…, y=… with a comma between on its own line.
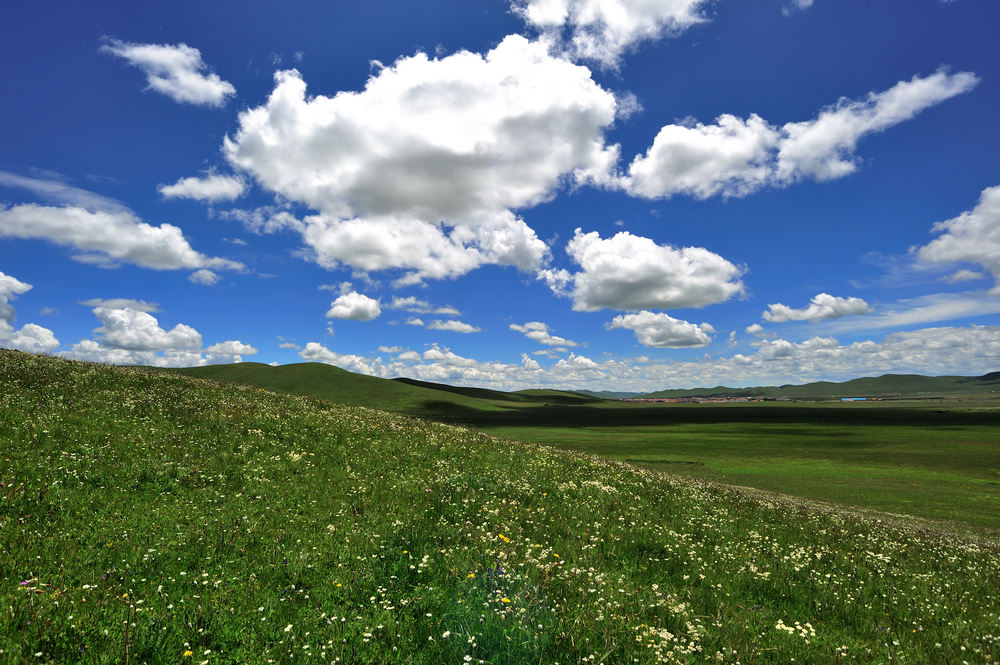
x=409, y=396
x=438, y=400
x=148, y=517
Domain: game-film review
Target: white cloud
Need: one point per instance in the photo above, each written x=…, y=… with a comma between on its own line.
x=603, y=30
x=823, y=148
x=629, y=272
x=453, y=326
x=423, y=169
x=265, y=219
x=30, y=337
x=232, y=347
x=391, y=349
x=934, y=351
x=931, y=308
x=663, y=331
x=10, y=287
x=822, y=306
x=203, y=276
x=800, y=5
x=122, y=303
x=130, y=335
x=354, y=305
x=414, y=304
x=425, y=249
x=973, y=237
x=316, y=352
x=735, y=157
x=539, y=332
x=964, y=276
x=949, y=350
x=211, y=188
x=133, y=330
x=230, y=351
x=57, y=191
x=446, y=357
x=108, y=236
x=92, y=351
x=174, y=70
x=414, y=321
x=754, y=329
x=575, y=371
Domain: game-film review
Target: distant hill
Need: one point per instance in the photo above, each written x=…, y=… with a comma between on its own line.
x=886, y=386
x=607, y=394
x=443, y=401
x=401, y=395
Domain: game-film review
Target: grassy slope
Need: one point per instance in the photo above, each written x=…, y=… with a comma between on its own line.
x=153, y=518
x=937, y=461
x=420, y=398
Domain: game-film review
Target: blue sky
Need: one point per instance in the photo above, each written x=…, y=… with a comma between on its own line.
x=603, y=194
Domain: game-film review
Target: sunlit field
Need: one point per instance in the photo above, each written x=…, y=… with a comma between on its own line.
x=937, y=457
x=152, y=518
x=936, y=460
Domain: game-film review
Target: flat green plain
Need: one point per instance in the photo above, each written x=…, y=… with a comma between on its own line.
x=930, y=460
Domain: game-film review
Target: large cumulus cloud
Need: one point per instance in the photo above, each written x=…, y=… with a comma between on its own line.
x=425, y=167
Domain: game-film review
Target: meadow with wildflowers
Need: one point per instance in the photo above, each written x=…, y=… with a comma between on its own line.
x=931, y=450
x=153, y=518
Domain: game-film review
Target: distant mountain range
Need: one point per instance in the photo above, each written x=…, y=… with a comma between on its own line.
x=913, y=386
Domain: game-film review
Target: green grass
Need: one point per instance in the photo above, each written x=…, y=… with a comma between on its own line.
x=935, y=459
x=152, y=518
x=928, y=461
x=409, y=396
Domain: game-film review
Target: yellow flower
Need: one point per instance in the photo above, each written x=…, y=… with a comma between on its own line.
x=505, y=600
x=188, y=653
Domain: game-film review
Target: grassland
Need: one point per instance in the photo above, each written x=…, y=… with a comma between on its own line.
x=408, y=396
x=937, y=459
x=153, y=518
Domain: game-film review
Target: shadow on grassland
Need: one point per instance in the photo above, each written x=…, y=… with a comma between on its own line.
x=611, y=414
